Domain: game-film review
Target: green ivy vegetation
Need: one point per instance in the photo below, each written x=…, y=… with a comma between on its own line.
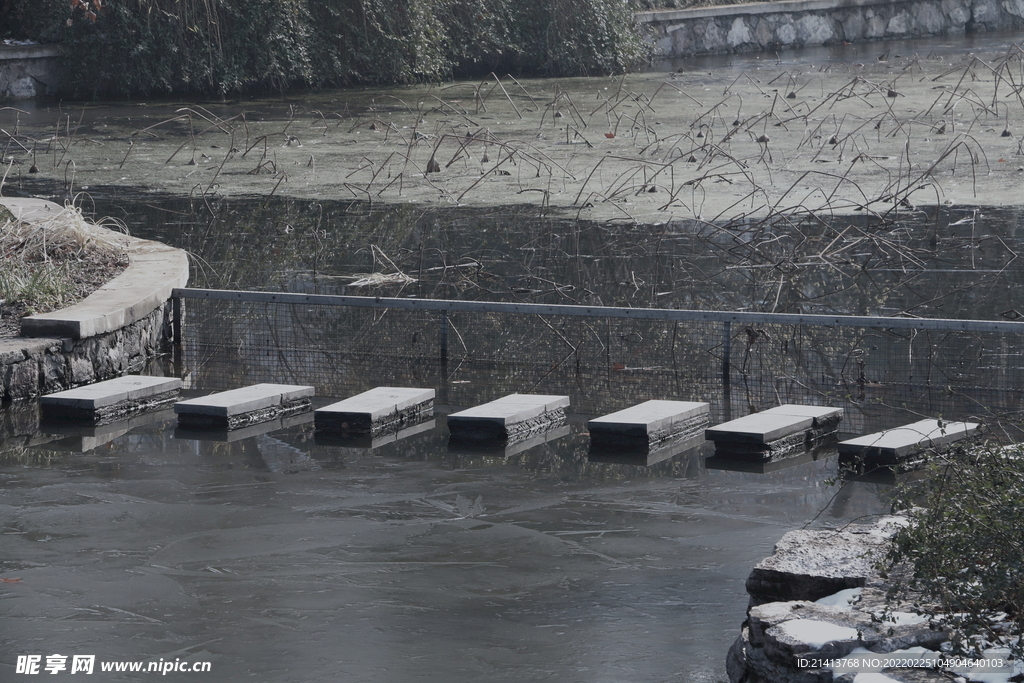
x=964, y=547
x=221, y=47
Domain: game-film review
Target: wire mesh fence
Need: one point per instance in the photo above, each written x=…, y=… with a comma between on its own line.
x=883, y=371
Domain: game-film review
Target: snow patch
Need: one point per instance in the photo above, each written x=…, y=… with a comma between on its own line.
x=844, y=599
x=816, y=633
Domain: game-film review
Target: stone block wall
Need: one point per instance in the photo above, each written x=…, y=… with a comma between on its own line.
x=804, y=23
x=28, y=71
x=33, y=367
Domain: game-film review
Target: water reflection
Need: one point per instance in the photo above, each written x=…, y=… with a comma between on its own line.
x=946, y=262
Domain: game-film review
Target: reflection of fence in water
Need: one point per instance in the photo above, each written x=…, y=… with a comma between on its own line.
x=882, y=370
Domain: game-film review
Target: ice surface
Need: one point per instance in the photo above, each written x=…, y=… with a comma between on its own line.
x=280, y=558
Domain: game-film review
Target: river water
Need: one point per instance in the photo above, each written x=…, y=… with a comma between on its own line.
x=281, y=557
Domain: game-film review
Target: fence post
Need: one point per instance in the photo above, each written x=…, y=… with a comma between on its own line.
x=443, y=338
x=726, y=385
x=442, y=371
x=176, y=321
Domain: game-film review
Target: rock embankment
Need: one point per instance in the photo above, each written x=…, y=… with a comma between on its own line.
x=819, y=596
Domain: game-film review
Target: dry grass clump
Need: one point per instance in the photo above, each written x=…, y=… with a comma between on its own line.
x=66, y=236
x=50, y=264
x=377, y=278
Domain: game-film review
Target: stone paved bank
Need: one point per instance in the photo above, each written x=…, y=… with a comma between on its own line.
x=114, y=331
x=804, y=23
x=819, y=596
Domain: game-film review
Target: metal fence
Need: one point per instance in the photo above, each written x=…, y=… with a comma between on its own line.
x=884, y=371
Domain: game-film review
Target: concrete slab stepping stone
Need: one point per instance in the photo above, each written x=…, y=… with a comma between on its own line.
x=112, y=400
x=903, y=446
x=242, y=407
x=376, y=411
x=649, y=423
x=778, y=432
x=509, y=419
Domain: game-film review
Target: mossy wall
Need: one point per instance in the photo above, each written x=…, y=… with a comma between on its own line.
x=219, y=47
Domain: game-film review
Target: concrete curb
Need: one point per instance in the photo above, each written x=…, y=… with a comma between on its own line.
x=154, y=270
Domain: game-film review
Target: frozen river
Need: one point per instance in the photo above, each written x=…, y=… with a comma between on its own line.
x=281, y=558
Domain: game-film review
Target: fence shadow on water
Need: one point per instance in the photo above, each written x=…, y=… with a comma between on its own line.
x=883, y=371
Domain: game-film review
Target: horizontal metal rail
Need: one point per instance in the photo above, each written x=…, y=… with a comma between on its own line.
x=667, y=314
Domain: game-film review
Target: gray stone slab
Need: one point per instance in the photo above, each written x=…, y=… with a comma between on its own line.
x=243, y=407
x=773, y=424
x=512, y=408
x=648, y=422
x=510, y=418
x=890, y=446
x=375, y=410
x=816, y=413
x=112, y=400
x=102, y=394
x=243, y=400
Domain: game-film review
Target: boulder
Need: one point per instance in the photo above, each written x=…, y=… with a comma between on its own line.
x=810, y=564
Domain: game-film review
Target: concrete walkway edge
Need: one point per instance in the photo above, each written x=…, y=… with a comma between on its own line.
x=154, y=270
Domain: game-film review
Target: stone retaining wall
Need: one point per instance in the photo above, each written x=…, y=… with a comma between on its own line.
x=28, y=71
x=800, y=23
x=32, y=367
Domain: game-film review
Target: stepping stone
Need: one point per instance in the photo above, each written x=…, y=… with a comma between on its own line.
x=82, y=438
x=112, y=400
x=371, y=442
x=509, y=419
x=775, y=433
x=376, y=410
x=900, y=446
x=649, y=423
x=226, y=435
x=243, y=407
